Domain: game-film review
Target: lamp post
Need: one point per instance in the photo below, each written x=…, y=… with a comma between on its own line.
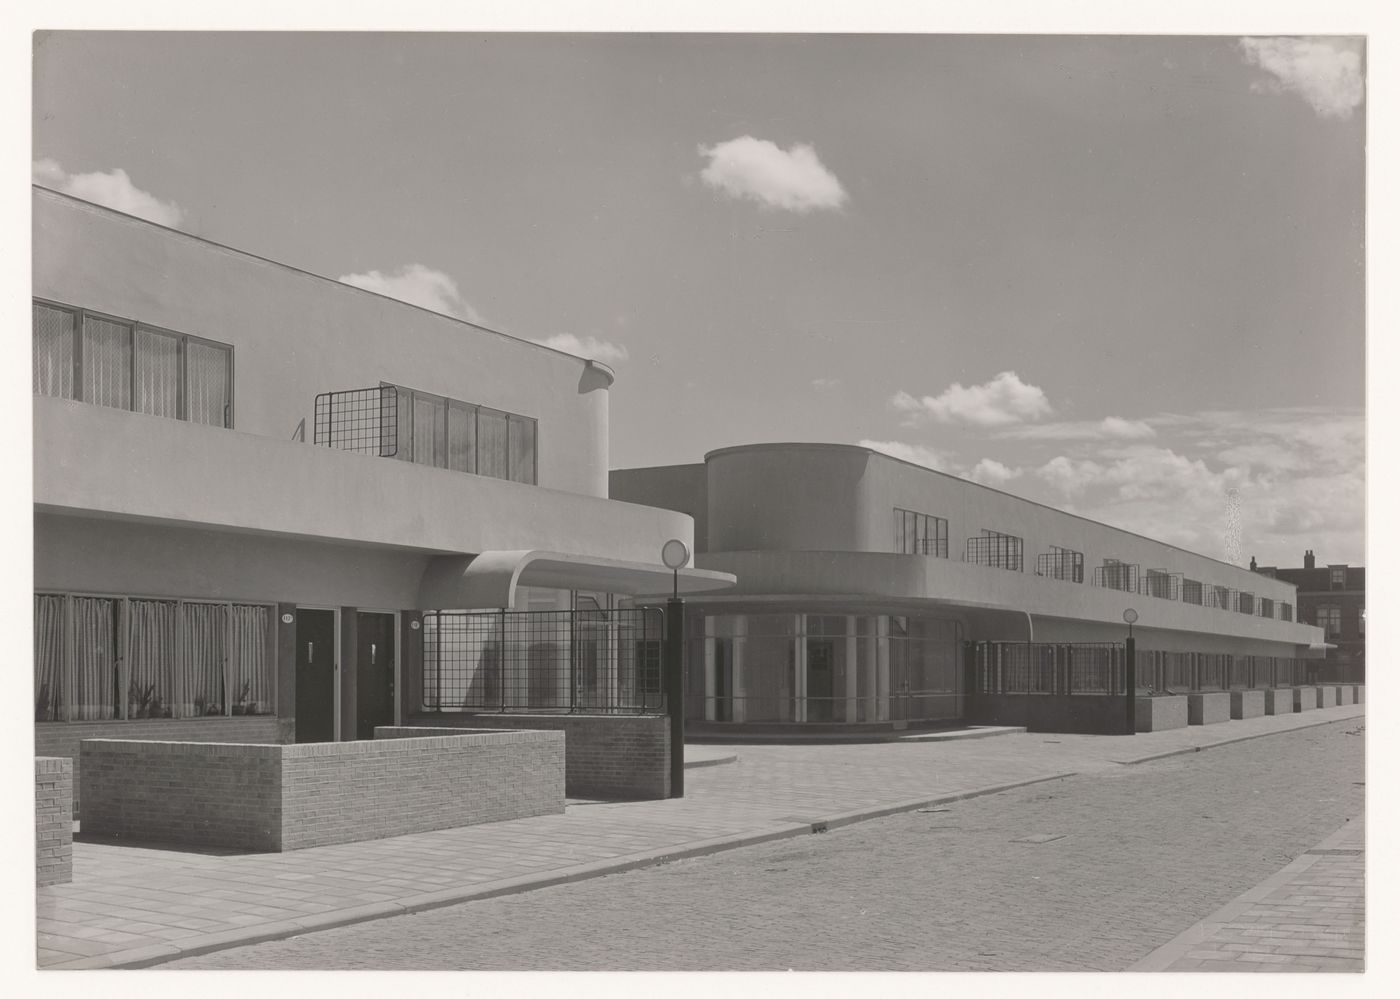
x=674, y=555
x=1130, y=672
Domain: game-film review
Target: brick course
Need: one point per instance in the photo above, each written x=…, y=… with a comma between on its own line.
x=288, y=797
x=53, y=820
x=617, y=757
x=63, y=738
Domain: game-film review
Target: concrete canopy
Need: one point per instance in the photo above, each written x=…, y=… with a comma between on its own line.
x=489, y=580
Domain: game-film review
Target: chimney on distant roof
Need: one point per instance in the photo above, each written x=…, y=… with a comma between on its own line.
x=1308, y=561
x=1253, y=566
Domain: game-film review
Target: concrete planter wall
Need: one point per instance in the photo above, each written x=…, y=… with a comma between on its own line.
x=1360, y=693
x=1246, y=703
x=287, y=797
x=1157, y=714
x=1346, y=695
x=1208, y=707
x=1278, y=701
x=1304, y=698
x=1327, y=697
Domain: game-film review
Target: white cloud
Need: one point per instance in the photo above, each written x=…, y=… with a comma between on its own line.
x=942, y=461
x=113, y=189
x=1325, y=72
x=598, y=350
x=991, y=472
x=794, y=179
x=417, y=285
x=1003, y=401
x=822, y=384
x=1109, y=428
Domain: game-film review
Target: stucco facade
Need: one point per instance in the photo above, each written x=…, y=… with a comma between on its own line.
x=214, y=562
x=815, y=535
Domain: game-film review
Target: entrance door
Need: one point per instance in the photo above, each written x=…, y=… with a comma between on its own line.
x=821, y=661
x=374, y=674
x=315, y=676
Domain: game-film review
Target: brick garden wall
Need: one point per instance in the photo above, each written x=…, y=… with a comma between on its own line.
x=53, y=820
x=62, y=738
x=286, y=797
x=615, y=757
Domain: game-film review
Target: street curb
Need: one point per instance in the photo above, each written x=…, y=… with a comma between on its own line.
x=1239, y=738
x=1197, y=933
x=227, y=940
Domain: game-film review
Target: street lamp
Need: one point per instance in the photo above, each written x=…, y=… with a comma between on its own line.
x=1130, y=672
x=674, y=555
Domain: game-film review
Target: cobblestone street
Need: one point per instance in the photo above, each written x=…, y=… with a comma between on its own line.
x=1087, y=873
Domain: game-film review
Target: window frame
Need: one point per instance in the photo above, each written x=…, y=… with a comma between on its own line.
x=908, y=525
x=406, y=433
x=135, y=327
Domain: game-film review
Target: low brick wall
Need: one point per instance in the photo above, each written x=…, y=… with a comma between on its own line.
x=288, y=797
x=1327, y=696
x=1246, y=703
x=63, y=738
x=1157, y=714
x=1084, y=714
x=1304, y=698
x=616, y=757
x=53, y=820
x=1208, y=707
x=1278, y=701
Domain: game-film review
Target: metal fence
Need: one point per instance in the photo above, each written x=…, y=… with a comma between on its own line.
x=1188, y=672
x=589, y=662
x=362, y=420
x=1046, y=668
x=999, y=551
x=1117, y=576
x=1061, y=563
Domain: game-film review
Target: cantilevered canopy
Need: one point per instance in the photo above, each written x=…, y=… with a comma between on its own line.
x=488, y=580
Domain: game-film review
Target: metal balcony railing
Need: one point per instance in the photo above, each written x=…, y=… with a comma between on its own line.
x=362, y=420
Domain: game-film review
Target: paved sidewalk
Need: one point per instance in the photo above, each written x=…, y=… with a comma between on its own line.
x=1310, y=916
x=132, y=906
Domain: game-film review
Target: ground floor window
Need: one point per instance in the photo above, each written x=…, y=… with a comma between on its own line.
x=850, y=668
x=108, y=658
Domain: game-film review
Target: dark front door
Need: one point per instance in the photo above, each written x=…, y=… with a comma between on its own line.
x=374, y=673
x=821, y=660
x=315, y=676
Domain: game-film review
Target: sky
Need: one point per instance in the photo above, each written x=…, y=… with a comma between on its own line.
x=1123, y=276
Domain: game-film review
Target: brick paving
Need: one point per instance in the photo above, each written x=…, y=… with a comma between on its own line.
x=1087, y=873
x=1310, y=916
x=130, y=905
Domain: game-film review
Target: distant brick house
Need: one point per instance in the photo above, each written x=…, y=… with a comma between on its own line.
x=1333, y=597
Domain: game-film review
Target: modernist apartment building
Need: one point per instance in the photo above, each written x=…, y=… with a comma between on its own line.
x=861, y=576
x=254, y=485
x=1333, y=598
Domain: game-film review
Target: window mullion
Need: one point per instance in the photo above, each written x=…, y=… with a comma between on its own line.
x=228, y=660
x=124, y=656
x=69, y=667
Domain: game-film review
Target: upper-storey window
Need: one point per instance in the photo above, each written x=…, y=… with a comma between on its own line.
x=1061, y=563
x=1266, y=607
x=1285, y=611
x=992, y=548
x=107, y=361
x=1244, y=602
x=1339, y=576
x=920, y=533
x=447, y=433
x=1329, y=619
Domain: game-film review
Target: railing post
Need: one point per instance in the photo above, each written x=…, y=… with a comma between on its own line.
x=1130, y=684
x=501, y=660
x=675, y=691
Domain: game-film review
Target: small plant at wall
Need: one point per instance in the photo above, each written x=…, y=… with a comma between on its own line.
x=146, y=703
x=241, y=705
x=41, y=703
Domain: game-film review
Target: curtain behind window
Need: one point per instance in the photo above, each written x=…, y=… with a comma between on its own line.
x=48, y=658
x=429, y=434
x=207, y=382
x=106, y=363
x=151, y=658
x=492, y=454
x=252, y=679
x=157, y=374
x=94, y=658
x=461, y=437
x=53, y=351
x=522, y=449
x=201, y=677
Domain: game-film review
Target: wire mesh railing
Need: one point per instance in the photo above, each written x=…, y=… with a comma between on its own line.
x=588, y=662
x=364, y=420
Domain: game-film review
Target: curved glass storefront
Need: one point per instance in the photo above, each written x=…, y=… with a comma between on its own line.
x=823, y=668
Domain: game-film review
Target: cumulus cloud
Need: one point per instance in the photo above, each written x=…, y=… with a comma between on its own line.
x=822, y=384
x=591, y=347
x=1109, y=428
x=918, y=454
x=791, y=179
x=113, y=189
x=417, y=285
x=1003, y=401
x=991, y=472
x=1325, y=72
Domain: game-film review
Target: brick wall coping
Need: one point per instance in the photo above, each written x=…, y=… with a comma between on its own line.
x=359, y=747
x=52, y=764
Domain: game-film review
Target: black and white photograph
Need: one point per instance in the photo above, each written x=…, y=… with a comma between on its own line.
x=806, y=496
